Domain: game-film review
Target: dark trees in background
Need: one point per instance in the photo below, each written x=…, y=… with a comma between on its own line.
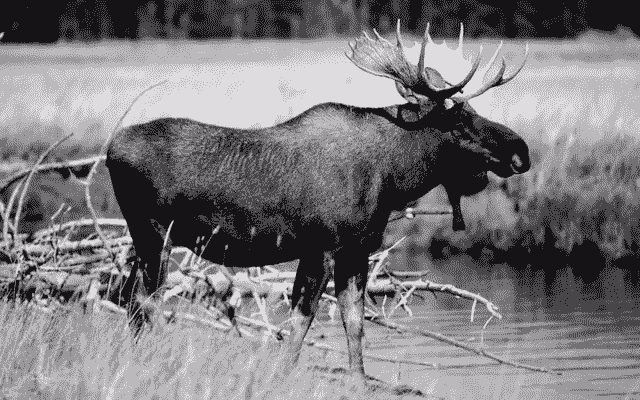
x=50, y=21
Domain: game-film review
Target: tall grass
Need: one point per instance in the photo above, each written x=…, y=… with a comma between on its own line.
x=67, y=354
x=579, y=206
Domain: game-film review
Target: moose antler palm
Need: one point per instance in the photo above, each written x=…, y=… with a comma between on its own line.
x=382, y=58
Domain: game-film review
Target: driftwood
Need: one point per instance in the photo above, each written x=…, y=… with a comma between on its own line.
x=54, y=264
x=16, y=176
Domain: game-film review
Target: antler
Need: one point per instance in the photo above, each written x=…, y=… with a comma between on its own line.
x=499, y=78
x=430, y=90
x=381, y=58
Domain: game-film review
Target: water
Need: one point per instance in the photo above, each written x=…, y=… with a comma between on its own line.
x=589, y=330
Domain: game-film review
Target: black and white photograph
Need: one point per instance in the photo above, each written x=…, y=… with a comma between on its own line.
x=327, y=199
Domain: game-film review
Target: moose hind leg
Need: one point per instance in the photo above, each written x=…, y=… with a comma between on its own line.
x=310, y=282
x=147, y=274
x=350, y=277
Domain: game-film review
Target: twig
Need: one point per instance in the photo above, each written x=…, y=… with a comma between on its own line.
x=2, y=208
x=7, y=217
x=379, y=260
x=59, y=212
x=323, y=346
x=456, y=343
x=30, y=176
x=402, y=302
x=119, y=222
x=94, y=168
x=386, y=286
x=48, y=167
x=385, y=253
x=410, y=213
x=85, y=244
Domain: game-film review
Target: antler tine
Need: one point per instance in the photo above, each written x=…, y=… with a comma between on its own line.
x=499, y=78
x=398, y=36
x=459, y=49
x=495, y=55
x=450, y=91
x=365, y=69
x=427, y=35
x=423, y=48
x=380, y=37
x=428, y=89
x=380, y=57
x=526, y=55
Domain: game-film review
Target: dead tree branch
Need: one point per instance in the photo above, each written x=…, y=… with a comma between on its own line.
x=437, y=336
x=50, y=167
x=28, y=180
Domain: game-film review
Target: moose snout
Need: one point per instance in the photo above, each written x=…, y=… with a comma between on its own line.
x=506, y=166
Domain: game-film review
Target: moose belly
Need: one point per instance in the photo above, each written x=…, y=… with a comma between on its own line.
x=246, y=245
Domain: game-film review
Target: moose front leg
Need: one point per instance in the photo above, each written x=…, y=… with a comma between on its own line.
x=350, y=276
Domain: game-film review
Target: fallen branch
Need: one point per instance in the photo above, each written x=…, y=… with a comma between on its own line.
x=119, y=222
x=7, y=216
x=42, y=157
x=75, y=246
x=386, y=286
x=69, y=273
x=437, y=336
x=410, y=213
x=5, y=183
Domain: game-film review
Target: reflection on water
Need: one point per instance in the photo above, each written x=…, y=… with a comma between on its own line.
x=528, y=289
x=590, y=331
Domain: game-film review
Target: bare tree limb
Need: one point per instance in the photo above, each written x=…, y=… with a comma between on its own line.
x=50, y=167
x=119, y=222
x=7, y=216
x=456, y=343
x=30, y=176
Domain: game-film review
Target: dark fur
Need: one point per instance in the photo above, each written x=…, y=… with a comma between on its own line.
x=324, y=182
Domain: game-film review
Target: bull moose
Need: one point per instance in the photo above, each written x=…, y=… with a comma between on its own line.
x=319, y=187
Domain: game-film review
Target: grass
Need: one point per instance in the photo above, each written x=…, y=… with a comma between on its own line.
x=580, y=203
x=69, y=354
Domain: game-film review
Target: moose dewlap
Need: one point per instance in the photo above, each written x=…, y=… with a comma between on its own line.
x=318, y=188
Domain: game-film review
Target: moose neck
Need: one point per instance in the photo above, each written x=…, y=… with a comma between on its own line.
x=419, y=153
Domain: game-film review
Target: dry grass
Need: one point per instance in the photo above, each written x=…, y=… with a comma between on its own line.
x=68, y=354
x=581, y=202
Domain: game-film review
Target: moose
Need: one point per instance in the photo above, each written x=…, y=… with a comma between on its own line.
x=319, y=187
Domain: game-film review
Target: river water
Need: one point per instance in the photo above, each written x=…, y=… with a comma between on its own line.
x=587, y=330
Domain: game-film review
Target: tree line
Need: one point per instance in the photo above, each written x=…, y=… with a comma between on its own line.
x=32, y=21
